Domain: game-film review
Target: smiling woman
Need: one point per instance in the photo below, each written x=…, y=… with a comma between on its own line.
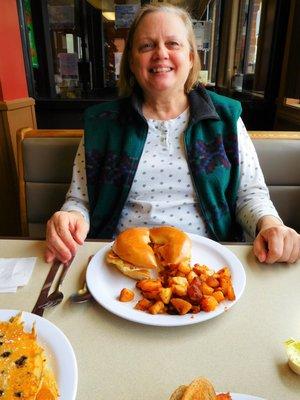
x=168, y=152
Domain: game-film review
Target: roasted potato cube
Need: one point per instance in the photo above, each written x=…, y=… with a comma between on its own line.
x=200, y=269
x=205, y=289
x=194, y=291
x=224, y=272
x=191, y=275
x=212, y=282
x=149, y=285
x=179, y=290
x=224, y=285
x=178, y=280
x=208, y=303
x=151, y=295
x=195, y=309
x=185, y=269
x=143, y=304
x=218, y=295
x=223, y=396
x=165, y=295
x=230, y=293
x=181, y=305
x=157, y=308
x=126, y=295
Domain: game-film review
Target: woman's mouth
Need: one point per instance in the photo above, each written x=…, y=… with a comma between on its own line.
x=160, y=70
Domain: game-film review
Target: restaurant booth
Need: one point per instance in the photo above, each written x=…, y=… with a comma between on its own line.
x=223, y=321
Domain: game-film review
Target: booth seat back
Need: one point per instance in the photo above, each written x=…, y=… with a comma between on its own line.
x=279, y=157
x=46, y=163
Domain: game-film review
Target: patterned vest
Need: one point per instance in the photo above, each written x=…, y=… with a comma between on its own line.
x=115, y=134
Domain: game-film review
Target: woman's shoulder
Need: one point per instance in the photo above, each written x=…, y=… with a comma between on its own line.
x=106, y=110
x=220, y=100
x=225, y=105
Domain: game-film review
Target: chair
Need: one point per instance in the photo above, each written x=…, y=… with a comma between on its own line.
x=45, y=162
x=279, y=157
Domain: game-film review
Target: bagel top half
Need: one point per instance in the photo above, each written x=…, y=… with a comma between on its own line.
x=171, y=245
x=133, y=246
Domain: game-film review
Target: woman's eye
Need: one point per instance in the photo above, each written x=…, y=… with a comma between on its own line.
x=173, y=44
x=146, y=46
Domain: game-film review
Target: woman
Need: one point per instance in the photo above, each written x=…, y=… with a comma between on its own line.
x=167, y=152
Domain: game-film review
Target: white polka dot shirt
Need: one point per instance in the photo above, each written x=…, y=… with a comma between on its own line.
x=162, y=192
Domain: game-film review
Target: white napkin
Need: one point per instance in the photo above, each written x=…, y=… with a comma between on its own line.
x=15, y=272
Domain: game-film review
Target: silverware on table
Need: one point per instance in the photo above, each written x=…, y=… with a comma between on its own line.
x=56, y=297
x=37, y=309
x=82, y=294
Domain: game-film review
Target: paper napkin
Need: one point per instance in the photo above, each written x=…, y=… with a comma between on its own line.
x=15, y=272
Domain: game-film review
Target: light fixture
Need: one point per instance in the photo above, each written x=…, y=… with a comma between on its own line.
x=110, y=15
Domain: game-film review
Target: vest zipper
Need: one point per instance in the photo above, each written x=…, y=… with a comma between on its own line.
x=211, y=231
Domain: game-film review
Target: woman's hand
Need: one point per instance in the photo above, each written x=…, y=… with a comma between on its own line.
x=65, y=231
x=276, y=242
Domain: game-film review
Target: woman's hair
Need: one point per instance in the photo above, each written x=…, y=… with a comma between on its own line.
x=127, y=80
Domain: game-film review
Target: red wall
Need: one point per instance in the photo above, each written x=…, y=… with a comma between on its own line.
x=13, y=83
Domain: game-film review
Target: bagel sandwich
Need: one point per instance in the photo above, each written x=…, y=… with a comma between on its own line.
x=199, y=389
x=138, y=251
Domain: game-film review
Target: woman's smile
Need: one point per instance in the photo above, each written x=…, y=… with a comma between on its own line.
x=157, y=70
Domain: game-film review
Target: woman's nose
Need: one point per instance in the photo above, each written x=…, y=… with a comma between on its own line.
x=161, y=51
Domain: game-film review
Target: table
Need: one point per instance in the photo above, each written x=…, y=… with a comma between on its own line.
x=239, y=351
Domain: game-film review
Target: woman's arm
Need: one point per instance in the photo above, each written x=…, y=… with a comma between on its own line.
x=77, y=196
x=274, y=242
x=68, y=228
x=253, y=200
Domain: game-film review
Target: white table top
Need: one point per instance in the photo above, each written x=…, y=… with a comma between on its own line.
x=239, y=351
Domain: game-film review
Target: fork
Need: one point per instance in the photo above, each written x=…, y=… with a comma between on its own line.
x=82, y=294
x=56, y=297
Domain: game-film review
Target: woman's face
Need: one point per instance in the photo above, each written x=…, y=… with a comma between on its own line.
x=161, y=58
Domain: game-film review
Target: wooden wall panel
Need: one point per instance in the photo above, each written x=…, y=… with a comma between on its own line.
x=14, y=114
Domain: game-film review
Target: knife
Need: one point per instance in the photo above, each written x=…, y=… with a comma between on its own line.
x=37, y=309
x=56, y=296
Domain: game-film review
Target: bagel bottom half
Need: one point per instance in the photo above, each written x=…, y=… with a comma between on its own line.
x=198, y=389
x=126, y=268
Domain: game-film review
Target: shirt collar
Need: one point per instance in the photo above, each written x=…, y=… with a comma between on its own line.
x=201, y=105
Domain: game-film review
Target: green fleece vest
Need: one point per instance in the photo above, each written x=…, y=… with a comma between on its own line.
x=115, y=134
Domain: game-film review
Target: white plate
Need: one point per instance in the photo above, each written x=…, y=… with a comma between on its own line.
x=59, y=351
x=238, y=396
x=105, y=283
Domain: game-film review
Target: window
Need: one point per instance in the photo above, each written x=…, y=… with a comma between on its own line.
x=246, y=44
x=79, y=43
